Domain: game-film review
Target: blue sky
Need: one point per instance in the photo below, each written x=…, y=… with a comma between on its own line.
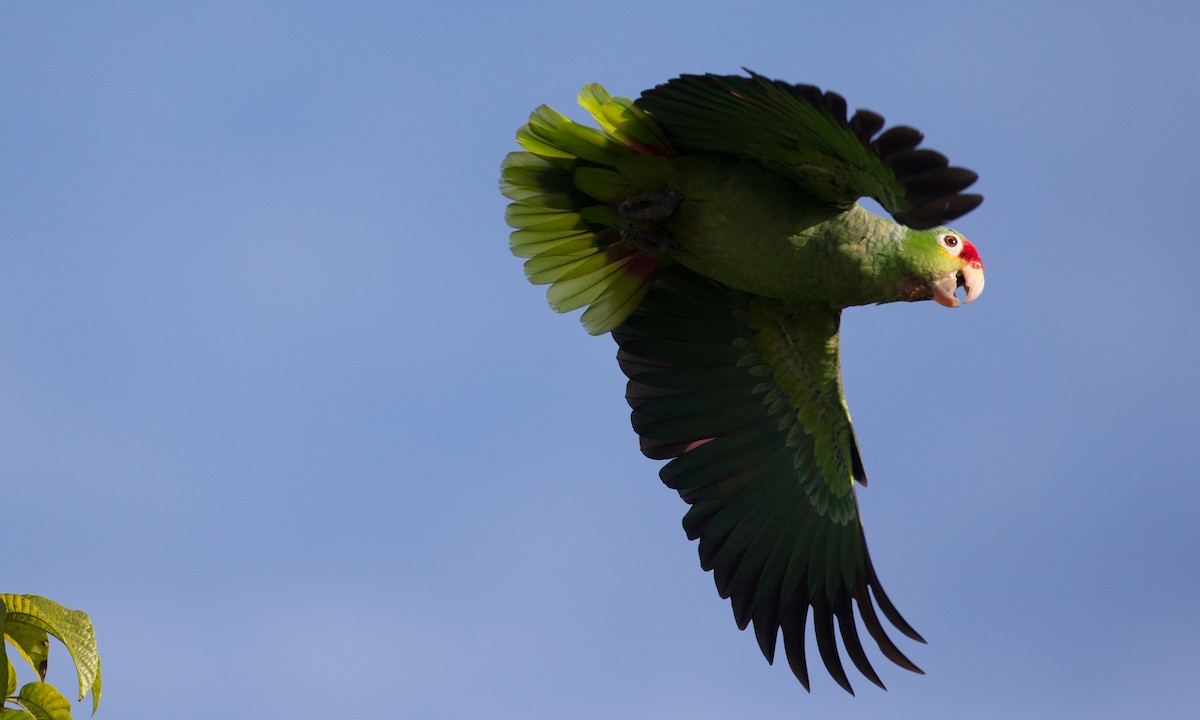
x=279, y=410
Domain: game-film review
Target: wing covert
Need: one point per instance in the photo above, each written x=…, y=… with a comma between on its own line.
x=804, y=133
x=713, y=387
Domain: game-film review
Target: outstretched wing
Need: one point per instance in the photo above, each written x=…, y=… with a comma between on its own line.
x=803, y=133
x=743, y=394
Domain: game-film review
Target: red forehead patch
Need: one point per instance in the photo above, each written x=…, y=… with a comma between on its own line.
x=970, y=254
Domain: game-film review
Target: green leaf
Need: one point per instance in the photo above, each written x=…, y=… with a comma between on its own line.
x=31, y=617
x=74, y=629
x=10, y=679
x=8, y=675
x=44, y=702
x=21, y=610
x=33, y=643
x=14, y=714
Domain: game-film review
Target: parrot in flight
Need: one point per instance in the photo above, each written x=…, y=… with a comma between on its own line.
x=712, y=226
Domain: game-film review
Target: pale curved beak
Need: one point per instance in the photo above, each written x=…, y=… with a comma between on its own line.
x=969, y=278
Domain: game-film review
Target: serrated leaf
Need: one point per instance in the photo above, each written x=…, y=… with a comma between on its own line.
x=29, y=618
x=96, y=688
x=7, y=673
x=44, y=702
x=32, y=643
x=9, y=681
x=21, y=610
x=74, y=629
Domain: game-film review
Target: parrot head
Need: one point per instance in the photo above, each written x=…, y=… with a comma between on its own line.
x=943, y=261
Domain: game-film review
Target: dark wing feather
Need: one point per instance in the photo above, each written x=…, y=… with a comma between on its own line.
x=804, y=133
x=698, y=389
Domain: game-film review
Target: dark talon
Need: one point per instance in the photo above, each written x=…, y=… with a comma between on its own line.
x=647, y=237
x=649, y=205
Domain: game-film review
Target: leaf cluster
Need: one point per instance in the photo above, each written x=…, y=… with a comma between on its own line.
x=27, y=622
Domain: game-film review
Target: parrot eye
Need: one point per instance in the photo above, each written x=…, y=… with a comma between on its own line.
x=951, y=243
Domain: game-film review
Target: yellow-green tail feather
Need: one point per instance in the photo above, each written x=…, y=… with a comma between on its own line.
x=563, y=188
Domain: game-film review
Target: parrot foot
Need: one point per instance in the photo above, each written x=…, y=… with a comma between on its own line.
x=649, y=205
x=646, y=237
x=643, y=233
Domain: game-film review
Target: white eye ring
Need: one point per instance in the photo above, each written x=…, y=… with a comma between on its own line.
x=952, y=243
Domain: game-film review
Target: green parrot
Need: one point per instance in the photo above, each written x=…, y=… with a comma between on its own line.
x=712, y=226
